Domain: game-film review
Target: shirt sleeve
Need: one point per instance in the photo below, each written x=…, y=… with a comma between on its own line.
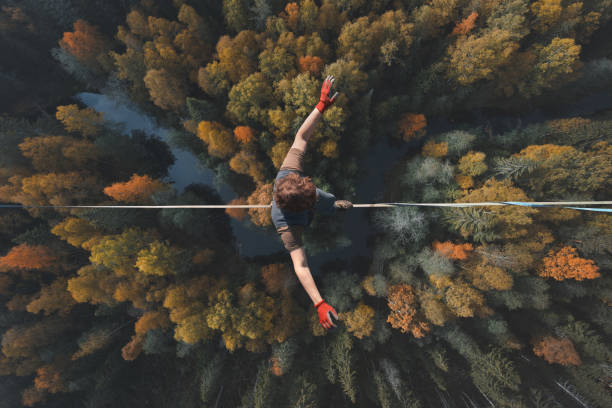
x=325, y=203
x=291, y=236
x=293, y=160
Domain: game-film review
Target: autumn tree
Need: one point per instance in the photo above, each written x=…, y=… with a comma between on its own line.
x=53, y=298
x=404, y=314
x=93, y=284
x=26, y=256
x=276, y=62
x=412, y=126
x=138, y=189
x=564, y=169
x=87, y=45
x=237, y=57
x=249, y=100
x=472, y=164
x=360, y=321
x=348, y=73
x=77, y=232
x=262, y=196
x=247, y=163
x=310, y=63
x=49, y=378
x=219, y=139
x=567, y=264
x=453, y=251
x=433, y=307
x=59, y=153
x=85, y=121
x=489, y=277
x=161, y=259
x=187, y=308
x=466, y=25
x=166, y=91
x=474, y=58
x=556, y=350
x=507, y=221
x=386, y=38
x=244, y=134
x=430, y=17
x=25, y=339
x=433, y=149
x=162, y=56
x=555, y=64
x=463, y=300
x=119, y=252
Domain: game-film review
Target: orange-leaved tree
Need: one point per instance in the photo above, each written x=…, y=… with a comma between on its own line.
x=453, y=251
x=138, y=189
x=566, y=264
x=310, y=63
x=49, y=378
x=24, y=256
x=554, y=350
x=404, y=314
x=433, y=149
x=466, y=25
x=244, y=134
x=85, y=43
x=412, y=126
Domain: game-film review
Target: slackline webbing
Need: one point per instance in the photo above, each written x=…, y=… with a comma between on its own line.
x=562, y=204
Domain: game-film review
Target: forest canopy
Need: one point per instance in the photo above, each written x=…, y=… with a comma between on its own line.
x=497, y=100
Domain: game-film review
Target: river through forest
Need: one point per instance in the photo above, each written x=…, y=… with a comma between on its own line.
x=254, y=241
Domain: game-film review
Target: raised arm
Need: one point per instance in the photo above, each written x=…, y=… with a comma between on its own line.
x=308, y=127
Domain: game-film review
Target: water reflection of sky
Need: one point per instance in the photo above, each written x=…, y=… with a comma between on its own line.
x=186, y=170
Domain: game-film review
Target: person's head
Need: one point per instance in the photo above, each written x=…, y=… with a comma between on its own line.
x=295, y=193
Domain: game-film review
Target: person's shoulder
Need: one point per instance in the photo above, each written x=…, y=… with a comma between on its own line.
x=283, y=172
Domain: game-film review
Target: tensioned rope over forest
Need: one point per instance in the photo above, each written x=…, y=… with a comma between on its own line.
x=563, y=204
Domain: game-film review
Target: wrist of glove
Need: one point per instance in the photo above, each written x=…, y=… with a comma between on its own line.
x=326, y=100
x=343, y=204
x=326, y=312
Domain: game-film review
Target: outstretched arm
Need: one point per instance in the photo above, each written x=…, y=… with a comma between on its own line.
x=300, y=265
x=308, y=127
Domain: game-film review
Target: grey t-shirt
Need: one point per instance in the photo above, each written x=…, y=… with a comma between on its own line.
x=324, y=204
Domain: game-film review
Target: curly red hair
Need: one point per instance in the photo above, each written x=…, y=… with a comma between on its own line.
x=295, y=193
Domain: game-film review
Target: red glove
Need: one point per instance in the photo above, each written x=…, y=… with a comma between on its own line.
x=325, y=313
x=325, y=101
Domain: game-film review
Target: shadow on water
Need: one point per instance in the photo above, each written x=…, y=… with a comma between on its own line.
x=186, y=170
x=254, y=241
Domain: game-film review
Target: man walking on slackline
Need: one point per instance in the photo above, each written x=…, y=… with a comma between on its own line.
x=296, y=199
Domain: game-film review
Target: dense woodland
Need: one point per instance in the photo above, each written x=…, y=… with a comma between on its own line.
x=499, y=306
